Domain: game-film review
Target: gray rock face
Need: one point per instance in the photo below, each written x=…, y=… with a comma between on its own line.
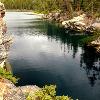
x=5, y=42
x=13, y=94
x=8, y=91
x=2, y=52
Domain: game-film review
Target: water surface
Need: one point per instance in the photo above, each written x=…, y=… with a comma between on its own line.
x=43, y=53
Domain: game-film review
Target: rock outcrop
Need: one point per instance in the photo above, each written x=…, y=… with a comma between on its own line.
x=82, y=23
x=56, y=16
x=5, y=43
x=8, y=91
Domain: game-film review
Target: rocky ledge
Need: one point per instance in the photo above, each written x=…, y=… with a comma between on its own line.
x=82, y=23
x=8, y=91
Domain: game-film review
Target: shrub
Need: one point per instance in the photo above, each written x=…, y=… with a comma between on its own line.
x=7, y=75
x=47, y=93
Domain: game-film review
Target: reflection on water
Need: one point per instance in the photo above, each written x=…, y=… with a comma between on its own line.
x=42, y=53
x=72, y=42
x=90, y=61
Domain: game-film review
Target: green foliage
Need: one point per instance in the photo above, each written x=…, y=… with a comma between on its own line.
x=7, y=75
x=46, y=6
x=47, y=93
x=18, y=4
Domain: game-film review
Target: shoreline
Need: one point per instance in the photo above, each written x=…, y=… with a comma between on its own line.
x=28, y=12
x=18, y=10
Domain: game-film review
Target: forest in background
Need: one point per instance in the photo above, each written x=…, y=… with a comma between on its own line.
x=47, y=6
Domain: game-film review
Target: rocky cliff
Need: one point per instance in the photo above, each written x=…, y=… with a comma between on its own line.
x=5, y=42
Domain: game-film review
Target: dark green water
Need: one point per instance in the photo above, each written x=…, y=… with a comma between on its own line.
x=43, y=53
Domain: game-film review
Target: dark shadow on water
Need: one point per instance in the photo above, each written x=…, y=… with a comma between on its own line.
x=90, y=62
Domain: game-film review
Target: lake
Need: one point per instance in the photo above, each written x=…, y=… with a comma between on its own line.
x=44, y=53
